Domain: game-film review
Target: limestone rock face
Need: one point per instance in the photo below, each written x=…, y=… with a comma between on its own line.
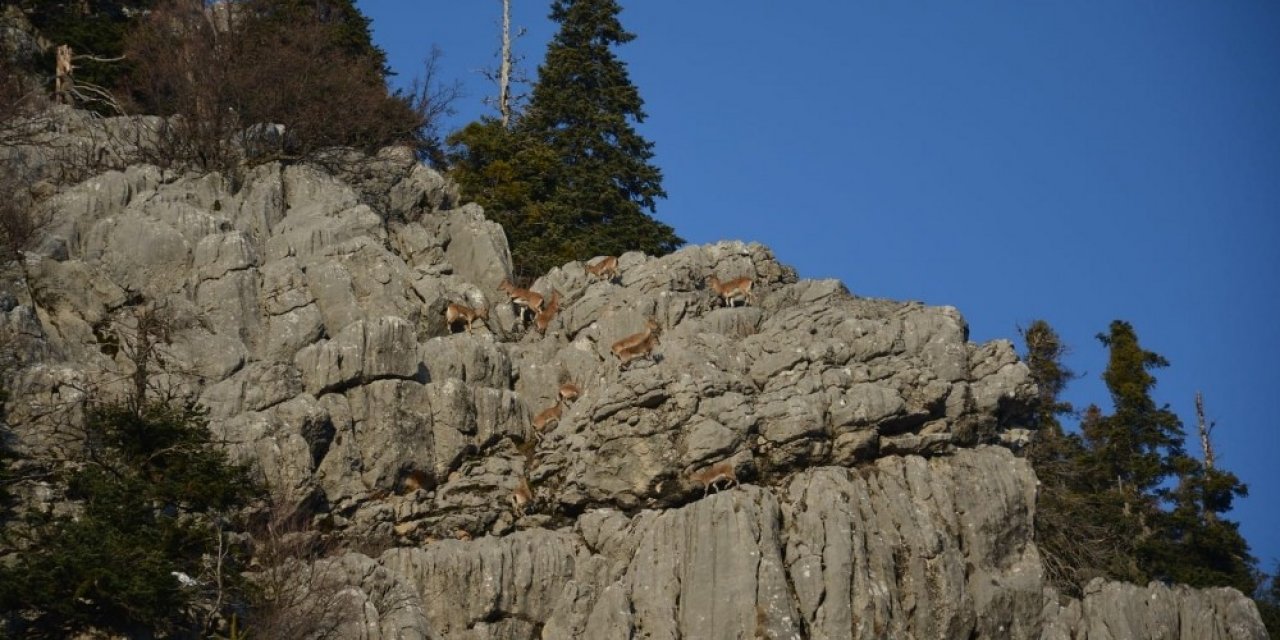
x=305, y=310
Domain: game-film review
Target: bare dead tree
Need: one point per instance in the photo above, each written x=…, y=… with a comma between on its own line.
x=238, y=83
x=68, y=91
x=1205, y=428
x=504, y=66
x=62, y=74
x=152, y=329
x=507, y=72
x=21, y=222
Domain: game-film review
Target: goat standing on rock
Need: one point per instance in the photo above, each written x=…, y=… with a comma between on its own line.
x=526, y=300
x=456, y=313
x=569, y=392
x=637, y=344
x=712, y=475
x=521, y=497
x=548, y=416
x=605, y=268
x=544, y=317
x=733, y=290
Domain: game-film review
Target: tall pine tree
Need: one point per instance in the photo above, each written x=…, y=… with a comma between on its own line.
x=1106, y=506
x=1044, y=357
x=1135, y=446
x=1075, y=531
x=1198, y=546
x=583, y=181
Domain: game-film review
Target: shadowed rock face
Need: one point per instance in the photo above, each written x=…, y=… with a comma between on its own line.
x=875, y=500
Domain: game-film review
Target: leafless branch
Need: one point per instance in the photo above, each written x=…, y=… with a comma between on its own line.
x=92, y=58
x=92, y=94
x=300, y=594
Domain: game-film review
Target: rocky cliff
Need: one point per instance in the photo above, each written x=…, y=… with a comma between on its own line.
x=879, y=496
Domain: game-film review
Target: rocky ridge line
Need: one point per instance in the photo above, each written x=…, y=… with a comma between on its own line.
x=307, y=313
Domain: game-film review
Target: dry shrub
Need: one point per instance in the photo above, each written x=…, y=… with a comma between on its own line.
x=180, y=69
x=299, y=78
x=298, y=593
x=227, y=76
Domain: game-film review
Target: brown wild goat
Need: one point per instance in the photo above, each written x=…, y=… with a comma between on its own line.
x=644, y=348
x=521, y=497
x=548, y=416
x=456, y=313
x=531, y=301
x=733, y=289
x=634, y=339
x=605, y=268
x=416, y=480
x=569, y=392
x=712, y=475
x=544, y=317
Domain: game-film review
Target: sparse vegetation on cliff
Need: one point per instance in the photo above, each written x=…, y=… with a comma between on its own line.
x=325, y=336
x=1122, y=498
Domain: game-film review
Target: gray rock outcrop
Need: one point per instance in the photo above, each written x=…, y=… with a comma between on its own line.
x=306, y=312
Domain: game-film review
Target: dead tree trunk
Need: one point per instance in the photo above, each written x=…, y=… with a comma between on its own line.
x=62, y=80
x=504, y=67
x=1206, y=444
x=1205, y=429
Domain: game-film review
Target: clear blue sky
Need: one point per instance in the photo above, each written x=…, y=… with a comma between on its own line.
x=1077, y=162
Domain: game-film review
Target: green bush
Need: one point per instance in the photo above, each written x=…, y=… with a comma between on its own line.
x=153, y=496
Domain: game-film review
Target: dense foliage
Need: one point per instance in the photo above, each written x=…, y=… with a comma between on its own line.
x=94, y=28
x=151, y=495
x=309, y=67
x=1122, y=499
x=571, y=179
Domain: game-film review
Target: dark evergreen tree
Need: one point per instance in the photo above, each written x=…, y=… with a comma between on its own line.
x=597, y=193
x=1105, y=507
x=151, y=491
x=1196, y=544
x=1044, y=358
x=1129, y=454
x=1134, y=447
x=505, y=171
x=1070, y=544
x=1080, y=528
x=1199, y=546
x=348, y=28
